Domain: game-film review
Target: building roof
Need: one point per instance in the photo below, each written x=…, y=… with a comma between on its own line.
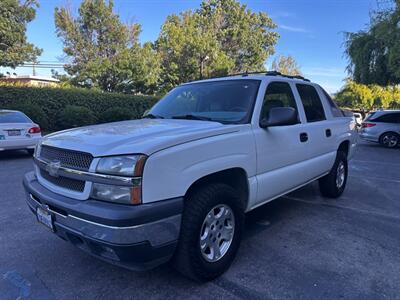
x=31, y=77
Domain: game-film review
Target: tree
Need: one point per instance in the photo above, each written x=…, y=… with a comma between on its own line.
x=374, y=54
x=145, y=66
x=100, y=46
x=220, y=37
x=14, y=47
x=355, y=95
x=286, y=65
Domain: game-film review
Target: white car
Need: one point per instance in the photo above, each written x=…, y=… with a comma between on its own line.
x=17, y=131
x=358, y=117
x=177, y=183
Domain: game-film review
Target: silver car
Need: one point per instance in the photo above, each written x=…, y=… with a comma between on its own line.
x=17, y=131
x=382, y=127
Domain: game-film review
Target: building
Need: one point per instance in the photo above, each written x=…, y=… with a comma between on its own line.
x=30, y=80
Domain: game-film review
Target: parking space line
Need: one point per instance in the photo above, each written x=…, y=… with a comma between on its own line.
x=376, y=178
x=364, y=211
x=374, y=162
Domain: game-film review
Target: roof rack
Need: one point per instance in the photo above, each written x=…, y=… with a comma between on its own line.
x=270, y=73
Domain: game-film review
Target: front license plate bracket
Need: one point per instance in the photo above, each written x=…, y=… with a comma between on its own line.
x=44, y=217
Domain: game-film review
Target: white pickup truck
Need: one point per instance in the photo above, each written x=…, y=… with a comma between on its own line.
x=176, y=185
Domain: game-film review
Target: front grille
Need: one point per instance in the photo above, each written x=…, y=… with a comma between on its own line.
x=68, y=158
x=64, y=182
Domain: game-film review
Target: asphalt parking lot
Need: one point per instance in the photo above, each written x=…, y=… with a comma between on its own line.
x=298, y=246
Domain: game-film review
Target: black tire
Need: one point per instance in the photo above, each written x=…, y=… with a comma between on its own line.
x=328, y=185
x=389, y=139
x=30, y=151
x=188, y=258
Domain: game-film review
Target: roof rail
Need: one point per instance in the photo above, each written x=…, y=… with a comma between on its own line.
x=270, y=73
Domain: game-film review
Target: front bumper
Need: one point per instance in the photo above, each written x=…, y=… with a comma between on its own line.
x=136, y=237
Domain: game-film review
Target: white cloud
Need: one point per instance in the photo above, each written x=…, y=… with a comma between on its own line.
x=293, y=28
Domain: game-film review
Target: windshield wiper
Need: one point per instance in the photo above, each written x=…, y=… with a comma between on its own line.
x=193, y=117
x=152, y=116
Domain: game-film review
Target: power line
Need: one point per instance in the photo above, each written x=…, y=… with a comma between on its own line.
x=41, y=66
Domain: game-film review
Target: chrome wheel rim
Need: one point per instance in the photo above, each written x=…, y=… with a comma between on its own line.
x=217, y=232
x=390, y=140
x=340, y=175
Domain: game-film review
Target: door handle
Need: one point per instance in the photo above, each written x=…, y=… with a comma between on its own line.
x=303, y=137
x=328, y=132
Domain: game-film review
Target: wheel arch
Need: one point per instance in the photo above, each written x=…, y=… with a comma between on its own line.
x=234, y=177
x=344, y=146
x=386, y=132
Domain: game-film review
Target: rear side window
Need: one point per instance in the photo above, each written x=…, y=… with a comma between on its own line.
x=311, y=102
x=13, y=117
x=278, y=94
x=387, y=118
x=336, y=111
x=370, y=116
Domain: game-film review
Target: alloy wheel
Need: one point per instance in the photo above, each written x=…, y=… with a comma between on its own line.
x=340, y=175
x=217, y=232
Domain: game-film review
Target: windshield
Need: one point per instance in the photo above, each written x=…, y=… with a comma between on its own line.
x=228, y=101
x=13, y=117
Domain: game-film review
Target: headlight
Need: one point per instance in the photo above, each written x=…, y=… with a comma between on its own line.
x=131, y=165
x=112, y=193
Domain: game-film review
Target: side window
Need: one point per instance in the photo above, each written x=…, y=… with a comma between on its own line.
x=336, y=111
x=388, y=118
x=278, y=94
x=311, y=102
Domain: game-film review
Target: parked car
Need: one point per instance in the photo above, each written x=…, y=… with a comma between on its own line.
x=382, y=127
x=358, y=118
x=17, y=131
x=177, y=183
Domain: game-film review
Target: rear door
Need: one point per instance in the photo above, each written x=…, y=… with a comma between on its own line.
x=321, y=131
x=281, y=153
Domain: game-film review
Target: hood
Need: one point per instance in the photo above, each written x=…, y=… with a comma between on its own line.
x=137, y=136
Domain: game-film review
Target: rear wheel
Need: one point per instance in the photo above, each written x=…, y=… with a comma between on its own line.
x=389, y=139
x=212, y=224
x=333, y=184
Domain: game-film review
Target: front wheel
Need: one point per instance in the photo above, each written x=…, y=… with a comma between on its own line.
x=212, y=224
x=333, y=184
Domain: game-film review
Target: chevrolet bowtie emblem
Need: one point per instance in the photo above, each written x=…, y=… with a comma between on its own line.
x=53, y=168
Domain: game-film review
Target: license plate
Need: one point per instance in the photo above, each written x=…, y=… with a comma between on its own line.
x=44, y=217
x=2, y=137
x=14, y=132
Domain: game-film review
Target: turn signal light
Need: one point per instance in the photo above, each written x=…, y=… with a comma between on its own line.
x=367, y=125
x=34, y=130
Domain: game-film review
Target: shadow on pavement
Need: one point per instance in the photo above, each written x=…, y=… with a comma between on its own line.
x=14, y=154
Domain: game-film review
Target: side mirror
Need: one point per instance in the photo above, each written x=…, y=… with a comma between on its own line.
x=279, y=116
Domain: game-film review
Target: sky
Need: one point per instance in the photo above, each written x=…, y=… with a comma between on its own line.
x=312, y=31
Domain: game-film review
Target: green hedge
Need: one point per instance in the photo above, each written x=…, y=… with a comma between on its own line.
x=51, y=107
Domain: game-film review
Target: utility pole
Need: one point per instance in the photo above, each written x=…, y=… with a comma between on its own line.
x=202, y=61
x=33, y=69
